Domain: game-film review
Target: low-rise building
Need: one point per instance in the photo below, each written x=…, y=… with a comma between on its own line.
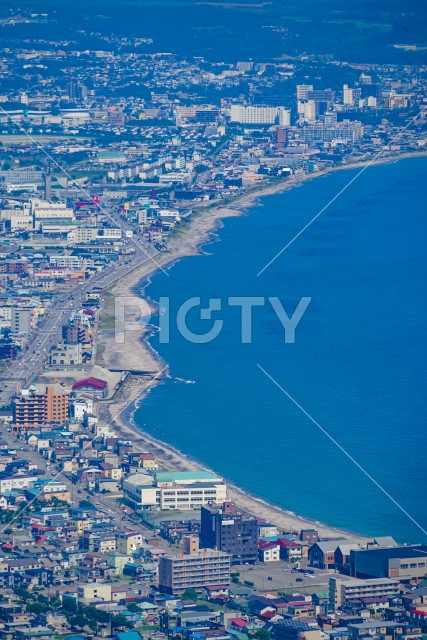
x=402, y=563
x=342, y=590
x=182, y=490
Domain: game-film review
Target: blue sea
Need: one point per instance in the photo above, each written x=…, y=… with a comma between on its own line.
x=354, y=381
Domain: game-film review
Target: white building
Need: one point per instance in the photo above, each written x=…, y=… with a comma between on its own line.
x=307, y=111
x=16, y=482
x=81, y=407
x=260, y=115
x=347, y=95
x=44, y=212
x=183, y=490
x=66, y=354
x=72, y=262
x=269, y=553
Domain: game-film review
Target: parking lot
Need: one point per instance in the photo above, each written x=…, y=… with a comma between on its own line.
x=278, y=576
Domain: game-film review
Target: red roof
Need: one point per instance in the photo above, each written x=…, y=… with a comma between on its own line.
x=90, y=382
x=239, y=622
x=269, y=615
x=285, y=543
x=265, y=544
x=419, y=613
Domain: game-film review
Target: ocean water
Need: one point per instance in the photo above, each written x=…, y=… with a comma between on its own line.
x=357, y=367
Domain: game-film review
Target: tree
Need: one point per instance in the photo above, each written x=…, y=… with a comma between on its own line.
x=41, y=598
x=262, y=634
x=189, y=594
x=36, y=607
x=69, y=605
x=78, y=621
x=22, y=593
x=120, y=621
x=133, y=607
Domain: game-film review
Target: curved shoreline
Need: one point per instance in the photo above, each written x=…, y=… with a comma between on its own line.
x=201, y=230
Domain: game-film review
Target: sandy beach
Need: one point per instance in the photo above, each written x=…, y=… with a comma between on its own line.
x=148, y=369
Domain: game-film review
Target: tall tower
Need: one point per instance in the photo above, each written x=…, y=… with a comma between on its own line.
x=47, y=180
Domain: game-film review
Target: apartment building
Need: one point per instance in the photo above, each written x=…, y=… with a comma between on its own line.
x=21, y=320
x=66, y=354
x=33, y=408
x=72, y=262
x=194, y=569
x=95, y=592
x=260, y=115
x=227, y=528
x=341, y=591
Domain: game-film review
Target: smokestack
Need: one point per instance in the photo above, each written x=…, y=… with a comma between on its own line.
x=47, y=179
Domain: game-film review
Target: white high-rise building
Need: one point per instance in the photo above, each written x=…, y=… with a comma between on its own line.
x=260, y=115
x=23, y=98
x=347, y=95
x=307, y=111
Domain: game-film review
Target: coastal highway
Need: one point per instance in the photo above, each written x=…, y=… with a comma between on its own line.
x=48, y=333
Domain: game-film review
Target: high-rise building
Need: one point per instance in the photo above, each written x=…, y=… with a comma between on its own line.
x=74, y=333
x=71, y=89
x=321, y=95
x=227, y=528
x=33, y=408
x=76, y=90
x=244, y=66
x=21, y=320
x=347, y=95
x=193, y=569
x=302, y=91
x=260, y=115
x=346, y=130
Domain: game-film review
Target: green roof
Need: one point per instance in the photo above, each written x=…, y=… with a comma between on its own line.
x=185, y=475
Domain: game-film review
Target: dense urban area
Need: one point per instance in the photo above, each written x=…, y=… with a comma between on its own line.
x=107, y=157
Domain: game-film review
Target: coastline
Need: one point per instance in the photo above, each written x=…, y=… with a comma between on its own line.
x=137, y=354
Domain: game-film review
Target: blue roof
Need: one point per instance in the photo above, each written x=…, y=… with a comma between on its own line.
x=128, y=635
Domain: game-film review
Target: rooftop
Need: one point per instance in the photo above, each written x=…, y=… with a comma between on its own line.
x=96, y=383
x=187, y=476
x=416, y=551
